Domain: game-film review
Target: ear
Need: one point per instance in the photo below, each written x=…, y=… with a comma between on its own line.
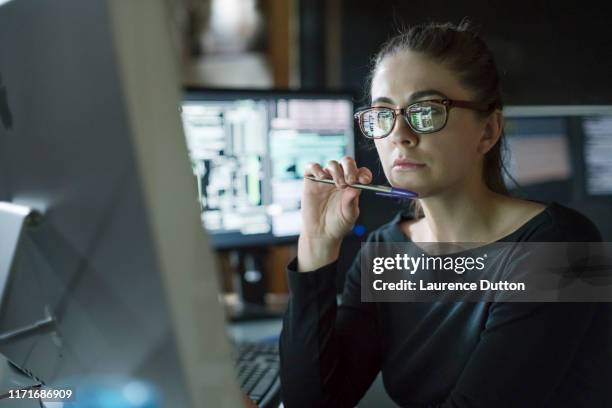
x=491, y=132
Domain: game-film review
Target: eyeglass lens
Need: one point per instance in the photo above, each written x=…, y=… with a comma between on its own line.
x=423, y=117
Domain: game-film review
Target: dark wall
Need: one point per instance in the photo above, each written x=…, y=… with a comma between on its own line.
x=312, y=43
x=549, y=52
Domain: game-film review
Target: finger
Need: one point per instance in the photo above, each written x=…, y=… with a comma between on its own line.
x=350, y=169
x=365, y=175
x=337, y=173
x=315, y=170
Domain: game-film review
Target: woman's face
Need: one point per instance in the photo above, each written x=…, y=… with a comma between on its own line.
x=447, y=158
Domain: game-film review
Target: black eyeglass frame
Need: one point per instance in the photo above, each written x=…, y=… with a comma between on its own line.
x=447, y=103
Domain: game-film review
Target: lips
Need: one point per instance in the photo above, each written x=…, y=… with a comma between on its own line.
x=407, y=164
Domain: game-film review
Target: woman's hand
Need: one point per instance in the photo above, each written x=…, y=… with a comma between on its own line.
x=328, y=211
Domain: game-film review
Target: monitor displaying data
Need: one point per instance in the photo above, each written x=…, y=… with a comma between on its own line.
x=248, y=151
x=538, y=149
x=597, y=136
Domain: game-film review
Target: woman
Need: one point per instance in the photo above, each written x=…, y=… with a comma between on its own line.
x=436, y=354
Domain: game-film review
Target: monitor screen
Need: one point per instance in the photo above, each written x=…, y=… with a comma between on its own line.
x=539, y=149
x=597, y=133
x=248, y=151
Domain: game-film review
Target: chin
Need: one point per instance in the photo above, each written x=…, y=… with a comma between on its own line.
x=409, y=181
x=423, y=186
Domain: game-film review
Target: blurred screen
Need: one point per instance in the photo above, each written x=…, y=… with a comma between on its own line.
x=597, y=133
x=248, y=154
x=539, y=149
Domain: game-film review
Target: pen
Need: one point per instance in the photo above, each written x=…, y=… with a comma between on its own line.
x=385, y=191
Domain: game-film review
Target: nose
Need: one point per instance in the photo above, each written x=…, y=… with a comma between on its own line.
x=403, y=134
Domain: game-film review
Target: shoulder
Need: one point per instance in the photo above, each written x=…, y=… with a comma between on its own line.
x=558, y=223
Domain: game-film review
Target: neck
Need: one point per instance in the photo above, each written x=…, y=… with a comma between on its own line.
x=463, y=214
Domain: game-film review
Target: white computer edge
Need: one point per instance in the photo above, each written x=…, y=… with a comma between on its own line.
x=151, y=82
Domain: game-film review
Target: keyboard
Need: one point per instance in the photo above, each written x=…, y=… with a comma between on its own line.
x=257, y=365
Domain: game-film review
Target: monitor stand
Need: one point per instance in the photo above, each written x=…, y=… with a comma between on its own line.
x=13, y=220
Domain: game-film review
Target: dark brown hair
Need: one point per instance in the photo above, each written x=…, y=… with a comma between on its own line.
x=462, y=50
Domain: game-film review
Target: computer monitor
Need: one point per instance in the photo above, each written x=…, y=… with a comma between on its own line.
x=539, y=149
x=563, y=146
x=248, y=152
x=91, y=136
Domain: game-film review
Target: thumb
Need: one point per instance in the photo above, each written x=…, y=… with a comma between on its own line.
x=350, y=203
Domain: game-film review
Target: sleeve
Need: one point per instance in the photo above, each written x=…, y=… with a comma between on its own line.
x=330, y=354
x=524, y=353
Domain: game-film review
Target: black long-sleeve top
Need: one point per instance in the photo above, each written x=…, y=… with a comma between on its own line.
x=447, y=354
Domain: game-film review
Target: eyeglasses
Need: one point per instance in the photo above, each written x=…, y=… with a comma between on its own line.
x=423, y=117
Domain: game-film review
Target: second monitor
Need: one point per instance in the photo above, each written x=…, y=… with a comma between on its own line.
x=248, y=151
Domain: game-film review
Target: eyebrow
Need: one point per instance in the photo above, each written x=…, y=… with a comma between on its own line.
x=415, y=96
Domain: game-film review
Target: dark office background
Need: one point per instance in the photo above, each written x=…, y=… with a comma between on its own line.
x=548, y=52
